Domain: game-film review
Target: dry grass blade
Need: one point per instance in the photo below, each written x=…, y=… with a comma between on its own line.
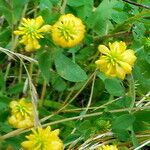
x=18, y=55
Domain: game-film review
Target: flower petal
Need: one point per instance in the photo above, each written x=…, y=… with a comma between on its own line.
x=39, y=21
x=29, y=47
x=103, y=49
x=120, y=73
x=36, y=44
x=114, y=47
x=45, y=28
x=27, y=144
x=129, y=56
x=17, y=32
x=126, y=67
x=122, y=46
x=110, y=70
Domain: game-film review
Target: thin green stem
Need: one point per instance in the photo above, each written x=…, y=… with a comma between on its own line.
x=63, y=6
x=71, y=100
x=88, y=115
x=132, y=19
x=137, y=4
x=43, y=93
x=7, y=71
x=20, y=73
x=19, y=131
x=91, y=94
x=132, y=91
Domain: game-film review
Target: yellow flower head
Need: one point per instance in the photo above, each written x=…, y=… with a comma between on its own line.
x=68, y=31
x=108, y=147
x=31, y=31
x=43, y=139
x=116, y=61
x=21, y=114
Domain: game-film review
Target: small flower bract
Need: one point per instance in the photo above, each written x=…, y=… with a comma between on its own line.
x=43, y=139
x=68, y=31
x=31, y=31
x=108, y=147
x=116, y=61
x=21, y=114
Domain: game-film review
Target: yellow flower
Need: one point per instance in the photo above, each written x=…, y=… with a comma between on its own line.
x=31, y=31
x=68, y=31
x=43, y=139
x=108, y=147
x=116, y=61
x=21, y=114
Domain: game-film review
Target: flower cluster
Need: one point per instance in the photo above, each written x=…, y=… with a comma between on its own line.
x=68, y=31
x=116, y=61
x=107, y=147
x=31, y=31
x=21, y=114
x=43, y=139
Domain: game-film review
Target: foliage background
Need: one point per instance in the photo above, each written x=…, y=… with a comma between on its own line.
x=80, y=101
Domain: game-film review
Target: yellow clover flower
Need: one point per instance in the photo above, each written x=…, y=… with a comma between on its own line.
x=108, y=147
x=68, y=31
x=21, y=114
x=116, y=61
x=43, y=139
x=31, y=31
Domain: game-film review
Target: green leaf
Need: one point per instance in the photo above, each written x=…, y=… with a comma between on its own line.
x=124, y=102
x=74, y=3
x=58, y=83
x=123, y=122
x=12, y=10
x=119, y=15
x=122, y=135
x=4, y=102
x=6, y=12
x=3, y=106
x=138, y=30
x=5, y=34
x=17, y=9
x=141, y=76
x=143, y=116
x=142, y=121
x=69, y=70
x=45, y=4
x=45, y=62
x=2, y=81
x=122, y=125
x=114, y=87
x=83, y=8
x=99, y=19
x=15, y=89
x=5, y=127
x=134, y=139
x=71, y=138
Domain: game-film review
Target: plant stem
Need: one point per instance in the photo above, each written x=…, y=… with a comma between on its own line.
x=7, y=71
x=136, y=4
x=43, y=93
x=89, y=115
x=91, y=94
x=66, y=104
x=132, y=91
x=131, y=20
x=20, y=73
x=19, y=131
x=64, y=3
